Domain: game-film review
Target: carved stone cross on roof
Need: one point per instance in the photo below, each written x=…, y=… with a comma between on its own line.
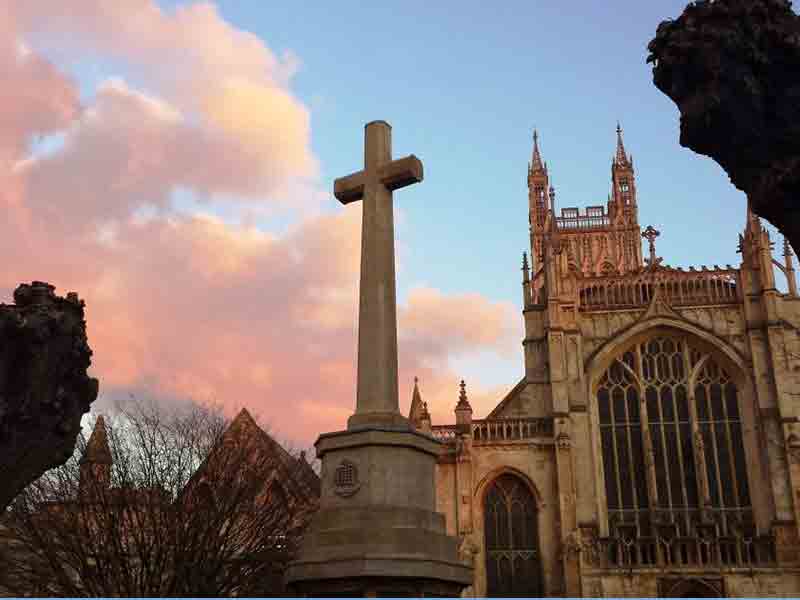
x=650, y=234
x=376, y=397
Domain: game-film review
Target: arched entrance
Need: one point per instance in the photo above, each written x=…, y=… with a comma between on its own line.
x=512, y=539
x=690, y=588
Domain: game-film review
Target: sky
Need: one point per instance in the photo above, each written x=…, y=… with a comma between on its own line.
x=173, y=163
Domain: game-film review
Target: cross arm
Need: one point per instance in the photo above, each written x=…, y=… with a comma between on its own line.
x=394, y=175
x=401, y=172
x=350, y=188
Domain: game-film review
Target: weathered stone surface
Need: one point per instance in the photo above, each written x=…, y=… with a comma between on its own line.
x=377, y=532
x=44, y=388
x=731, y=67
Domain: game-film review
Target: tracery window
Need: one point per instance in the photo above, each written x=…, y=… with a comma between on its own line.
x=668, y=399
x=512, y=540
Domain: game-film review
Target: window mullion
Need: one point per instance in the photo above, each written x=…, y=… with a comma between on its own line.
x=617, y=473
x=731, y=457
x=681, y=459
x=649, y=454
x=664, y=452
x=700, y=470
x=717, y=472
x=632, y=458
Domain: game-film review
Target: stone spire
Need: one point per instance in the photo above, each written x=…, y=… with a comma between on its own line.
x=526, y=282
x=415, y=412
x=789, y=268
x=537, y=166
x=97, y=449
x=95, y=464
x=621, y=158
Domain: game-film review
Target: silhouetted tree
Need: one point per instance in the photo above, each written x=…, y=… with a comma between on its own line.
x=161, y=504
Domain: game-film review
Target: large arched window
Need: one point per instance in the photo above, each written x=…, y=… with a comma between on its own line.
x=512, y=540
x=671, y=440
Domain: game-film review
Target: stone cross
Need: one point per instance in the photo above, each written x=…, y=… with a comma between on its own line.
x=376, y=396
x=650, y=234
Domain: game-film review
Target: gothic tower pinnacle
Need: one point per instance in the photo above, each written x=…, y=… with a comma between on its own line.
x=538, y=199
x=623, y=182
x=95, y=464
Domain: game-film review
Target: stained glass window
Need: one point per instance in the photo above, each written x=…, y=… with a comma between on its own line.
x=645, y=400
x=512, y=552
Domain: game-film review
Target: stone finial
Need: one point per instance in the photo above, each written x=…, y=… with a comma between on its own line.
x=620, y=158
x=788, y=267
x=462, y=395
x=425, y=419
x=536, y=164
x=463, y=409
x=526, y=281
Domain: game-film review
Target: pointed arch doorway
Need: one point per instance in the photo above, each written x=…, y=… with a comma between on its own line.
x=513, y=564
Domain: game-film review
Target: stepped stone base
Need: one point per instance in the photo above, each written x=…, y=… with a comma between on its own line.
x=377, y=531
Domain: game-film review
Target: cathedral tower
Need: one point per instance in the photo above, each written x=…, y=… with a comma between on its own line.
x=95, y=464
x=652, y=446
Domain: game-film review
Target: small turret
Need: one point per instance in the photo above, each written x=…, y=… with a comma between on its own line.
x=417, y=406
x=463, y=410
x=95, y=464
x=623, y=182
x=538, y=207
x=789, y=268
x=425, y=419
x=526, y=282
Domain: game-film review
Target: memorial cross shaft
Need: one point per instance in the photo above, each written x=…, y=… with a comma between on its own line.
x=376, y=396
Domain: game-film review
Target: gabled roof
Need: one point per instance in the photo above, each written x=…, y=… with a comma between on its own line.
x=513, y=393
x=244, y=428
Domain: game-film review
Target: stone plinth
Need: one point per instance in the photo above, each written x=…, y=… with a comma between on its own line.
x=377, y=532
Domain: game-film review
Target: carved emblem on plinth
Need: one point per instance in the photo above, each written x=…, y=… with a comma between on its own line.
x=345, y=479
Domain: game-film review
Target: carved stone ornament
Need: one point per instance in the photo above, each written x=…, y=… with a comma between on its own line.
x=345, y=479
x=659, y=306
x=793, y=448
x=563, y=442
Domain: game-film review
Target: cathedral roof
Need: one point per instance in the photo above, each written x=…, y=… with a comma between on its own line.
x=509, y=397
x=244, y=428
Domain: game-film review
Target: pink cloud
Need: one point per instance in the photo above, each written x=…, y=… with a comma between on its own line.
x=186, y=305
x=38, y=99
